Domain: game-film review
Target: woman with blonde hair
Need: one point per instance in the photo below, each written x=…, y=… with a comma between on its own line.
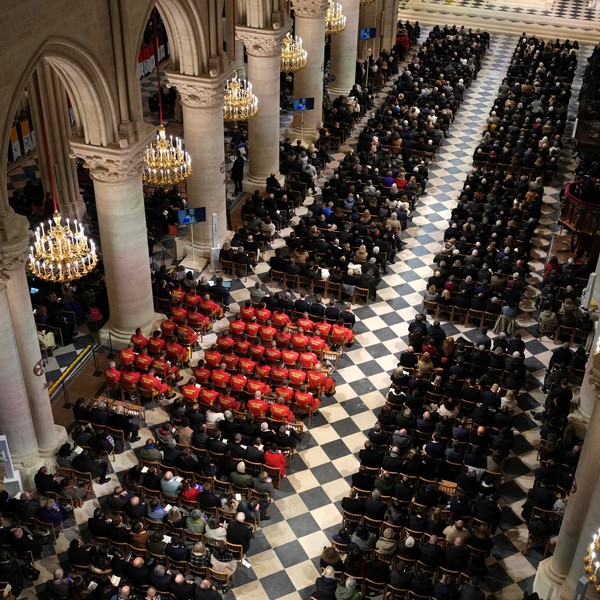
x=425, y=365
x=448, y=347
x=386, y=545
x=361, y=254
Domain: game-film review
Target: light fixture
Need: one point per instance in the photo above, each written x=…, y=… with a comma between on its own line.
x=591, y=561
x=335, y=21
x=293, y=55
x=166, y=163
x=239, y=103
x=61, y=253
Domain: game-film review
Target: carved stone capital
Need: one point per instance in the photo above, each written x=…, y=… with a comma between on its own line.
x=261, y=42
x=199, y=92
x=114, y=164
x=310, y=8
x=111, y=170
x=13, y=250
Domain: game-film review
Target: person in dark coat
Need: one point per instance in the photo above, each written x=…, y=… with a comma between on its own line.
x=239, y=533
x=237, y=172
x=326, y=585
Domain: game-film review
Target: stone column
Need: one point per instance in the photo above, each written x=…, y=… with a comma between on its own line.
x=202, y=103
x=14, y=256
x=264, y=50
x=343, y=51
x=389, y=24
x=117, y=176
x=53, y=100
x=582, y=517
x=308, y=83
x=16, y=422
x=371, y=16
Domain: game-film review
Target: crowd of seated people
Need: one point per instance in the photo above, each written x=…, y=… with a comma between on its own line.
x=424, y=503
x=524, y=129
x=349, y=235
x=481, y=268
x=559, y=302
x=129, y=542
x=425, y=97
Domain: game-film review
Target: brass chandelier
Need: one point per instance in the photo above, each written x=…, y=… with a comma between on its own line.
x=239, y=104
x=293, y=55
x=166, y=163
x=591, y=561
x=61, y=253
x=335, y=21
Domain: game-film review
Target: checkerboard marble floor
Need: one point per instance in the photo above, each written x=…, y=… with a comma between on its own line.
x=584, y=10
x=284, y=556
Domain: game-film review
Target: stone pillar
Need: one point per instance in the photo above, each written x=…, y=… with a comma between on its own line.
x=14, y=256
x=388, y=24
x=343, y=51
x=53, y=99
x=308, y=83
x=202, y=103
x=264, y=49
x=16, y=422
x=117, y=176
x=371, y=16
x=582, y=517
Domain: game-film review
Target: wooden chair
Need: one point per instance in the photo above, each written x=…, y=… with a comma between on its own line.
x=348, y=517
x=143, y=552
x=334, y=290
x=237, y=550
x=430, y=307
x=84, y=478
x=147, y=396
x=278, y=277
x=373, y=588
x=459, y=315
x=221, y=578
x=275, y=474
x=393, y=593
x=46, y=529
x=363, y=293
x=474, y=317
x=179, y=565
x=537, y=542
x=564, y=334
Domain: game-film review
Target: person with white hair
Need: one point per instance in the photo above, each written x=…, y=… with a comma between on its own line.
x=348, y=591
x=239, y=533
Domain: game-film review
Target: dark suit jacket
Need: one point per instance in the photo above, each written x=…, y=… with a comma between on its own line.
x=139, y=575
x=239, y=533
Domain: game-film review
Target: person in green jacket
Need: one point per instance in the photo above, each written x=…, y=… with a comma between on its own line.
x=348, y=591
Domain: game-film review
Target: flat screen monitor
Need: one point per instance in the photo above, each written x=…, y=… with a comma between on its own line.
x=191, y=215
x=368, y=33
x=303, y=104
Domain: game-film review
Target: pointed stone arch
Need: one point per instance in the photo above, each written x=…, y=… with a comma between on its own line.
x=188, y=38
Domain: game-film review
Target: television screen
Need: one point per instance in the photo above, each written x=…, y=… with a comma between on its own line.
x=368, y=33
x=191, y=215
x=303, y=104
